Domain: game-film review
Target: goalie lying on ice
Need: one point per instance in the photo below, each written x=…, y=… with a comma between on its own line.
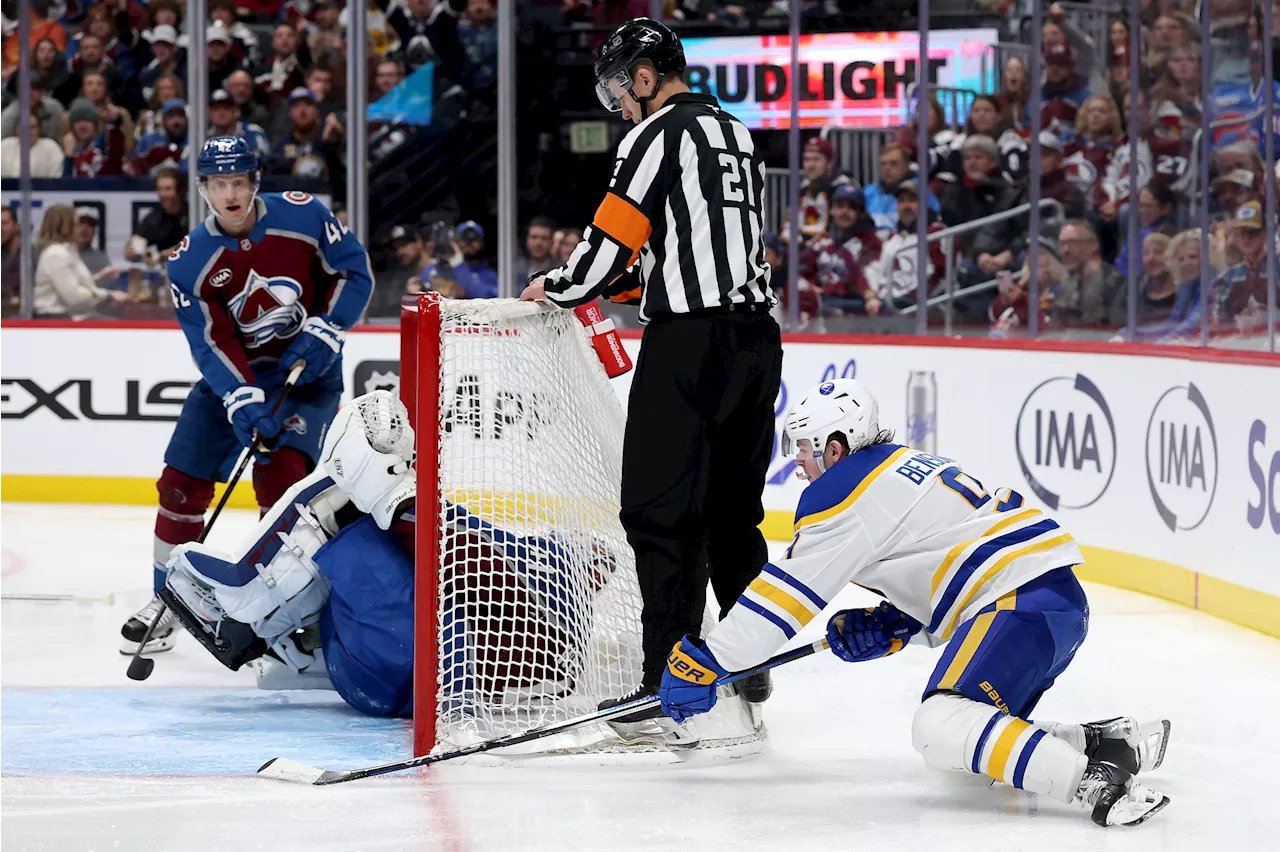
x=324, y=584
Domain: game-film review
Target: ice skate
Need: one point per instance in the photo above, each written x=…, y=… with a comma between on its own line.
x=1115, y=796
x=1132, y=745
x=162, y=638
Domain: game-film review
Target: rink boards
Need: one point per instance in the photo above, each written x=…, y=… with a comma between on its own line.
x=1164, y=462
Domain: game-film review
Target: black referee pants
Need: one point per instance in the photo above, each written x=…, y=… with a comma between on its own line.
x=698, y=441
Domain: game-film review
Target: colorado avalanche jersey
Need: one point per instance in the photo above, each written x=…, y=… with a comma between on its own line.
x=907, y=525
x=241, y=301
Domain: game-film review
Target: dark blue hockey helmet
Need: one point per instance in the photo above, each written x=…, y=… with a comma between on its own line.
x=227, y=155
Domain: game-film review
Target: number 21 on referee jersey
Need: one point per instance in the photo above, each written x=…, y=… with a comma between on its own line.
x=736, y=169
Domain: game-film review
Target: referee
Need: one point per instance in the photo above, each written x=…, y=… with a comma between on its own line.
x=679, y=233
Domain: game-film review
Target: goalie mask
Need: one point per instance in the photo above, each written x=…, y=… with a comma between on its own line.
x=842, y=405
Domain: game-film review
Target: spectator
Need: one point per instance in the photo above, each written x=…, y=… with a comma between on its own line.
x=1155, y=213
x=109, y=23
x=224, y=120
x=46, y=154
x=41, y=28
x=429, y=34
x=93, y=59
x=46, y=108
x=852, y=227
x=893, y=279
x=478, y=35
x=882, y=196
x=1054, y=180
x=1064, y=92
x=1098, y=132
x=325, y=37
x=221, y=61
x=473, y=276
x=1240, y=295
x=93, y=148
x=387, y=74
x=1058, y=29
x=166, y=148
x=1241, y=154
x=165, y=13
x=64, y=287
x=980, y=189
x=1009, y=309
x=908, y=136
x=286, y=72
x=1117, y=42
x=1171, y=30
x=93, y=88
x=537, y=256
x=1118, y=75
x=986, y=118
x=10, y=261
x=168, y=87
x=297, y=14
x=252, y=110
x=1090, y=288
x=168, y=59
x=308, y=149
x=244, y=44
x=820, y=179
x=320, y=82
x=412, y=258
x=93, y=257
x=1157, y=291
x=383, y=40
x=565, y=241
x=1182, y=257
x=1175, y=98
x=1234, y=188
x=165, y=226
x=49, y=73
x=1015, y=92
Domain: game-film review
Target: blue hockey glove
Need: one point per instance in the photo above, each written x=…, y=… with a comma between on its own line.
x=856, y=635
x=248, y=412
x=689, y=683
x=319, y=344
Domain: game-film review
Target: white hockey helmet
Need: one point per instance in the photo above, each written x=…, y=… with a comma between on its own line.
x=841, y=405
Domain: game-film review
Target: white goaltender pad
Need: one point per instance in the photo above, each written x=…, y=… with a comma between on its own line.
x=537, y=605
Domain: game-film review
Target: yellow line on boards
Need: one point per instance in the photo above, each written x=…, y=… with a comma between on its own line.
x=122, y=490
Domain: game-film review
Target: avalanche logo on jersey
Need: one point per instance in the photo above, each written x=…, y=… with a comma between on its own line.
x=267, y=308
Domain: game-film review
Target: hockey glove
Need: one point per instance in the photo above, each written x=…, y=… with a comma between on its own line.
x=319, y=344
x=249, y=413
x=689, y=683
x=856, y=635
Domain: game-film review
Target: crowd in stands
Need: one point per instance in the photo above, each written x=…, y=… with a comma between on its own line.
x=858, y=243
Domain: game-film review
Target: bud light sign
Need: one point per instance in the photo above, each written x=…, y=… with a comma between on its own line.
x=1066, y=442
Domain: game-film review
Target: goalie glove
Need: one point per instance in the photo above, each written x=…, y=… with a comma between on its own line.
x=368, y=451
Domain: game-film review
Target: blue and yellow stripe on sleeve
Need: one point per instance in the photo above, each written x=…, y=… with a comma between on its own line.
x=984, y=557
x=782, y=600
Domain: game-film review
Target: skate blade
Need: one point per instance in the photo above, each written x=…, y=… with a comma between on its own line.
x=663, y=733
x=1138, y=806
x=1149, y=731
x=155, y=646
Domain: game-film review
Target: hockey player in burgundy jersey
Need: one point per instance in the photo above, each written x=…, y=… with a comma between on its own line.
x=264, y=282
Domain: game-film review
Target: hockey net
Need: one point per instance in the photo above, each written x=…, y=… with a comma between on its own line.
x=527, y=604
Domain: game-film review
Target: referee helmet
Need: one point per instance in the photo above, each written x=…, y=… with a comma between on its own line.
x=638, y=40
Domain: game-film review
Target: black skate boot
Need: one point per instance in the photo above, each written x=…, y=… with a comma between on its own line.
x=654, y=712
x=1115, y=797
x=757, y=688
x=1134, y=747
x=162, y=638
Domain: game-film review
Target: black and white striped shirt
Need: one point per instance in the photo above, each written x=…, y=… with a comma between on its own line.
x=680, y=227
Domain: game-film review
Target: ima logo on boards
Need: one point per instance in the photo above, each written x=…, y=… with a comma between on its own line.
x=1182, y=457
x=1066, y=442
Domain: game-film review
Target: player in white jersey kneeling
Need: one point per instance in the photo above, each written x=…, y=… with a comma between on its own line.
x=976, y=571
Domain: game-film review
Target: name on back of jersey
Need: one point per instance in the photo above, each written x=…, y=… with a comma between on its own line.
x=918, y=467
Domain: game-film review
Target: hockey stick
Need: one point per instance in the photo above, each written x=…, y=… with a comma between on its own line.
x=109, y=598
x=140, y=667
x=284, y=769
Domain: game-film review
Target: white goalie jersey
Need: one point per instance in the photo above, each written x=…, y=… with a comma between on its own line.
x=904, y=524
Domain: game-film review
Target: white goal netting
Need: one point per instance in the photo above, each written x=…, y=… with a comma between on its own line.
x=538, y=606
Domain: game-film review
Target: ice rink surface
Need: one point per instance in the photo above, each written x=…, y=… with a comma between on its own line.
x=91, y=760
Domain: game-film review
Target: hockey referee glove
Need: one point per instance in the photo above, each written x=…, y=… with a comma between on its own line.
x=689, y=683
x=248, y=412
x=319, y=344
x=856, y=635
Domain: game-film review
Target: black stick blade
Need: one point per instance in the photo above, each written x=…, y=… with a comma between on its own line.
x=140, y=668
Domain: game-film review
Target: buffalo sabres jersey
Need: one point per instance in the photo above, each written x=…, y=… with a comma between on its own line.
x=241, y=300
x=907, y=525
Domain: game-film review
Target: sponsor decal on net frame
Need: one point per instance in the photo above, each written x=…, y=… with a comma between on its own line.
x=1065, y=438
x=1182, y=457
